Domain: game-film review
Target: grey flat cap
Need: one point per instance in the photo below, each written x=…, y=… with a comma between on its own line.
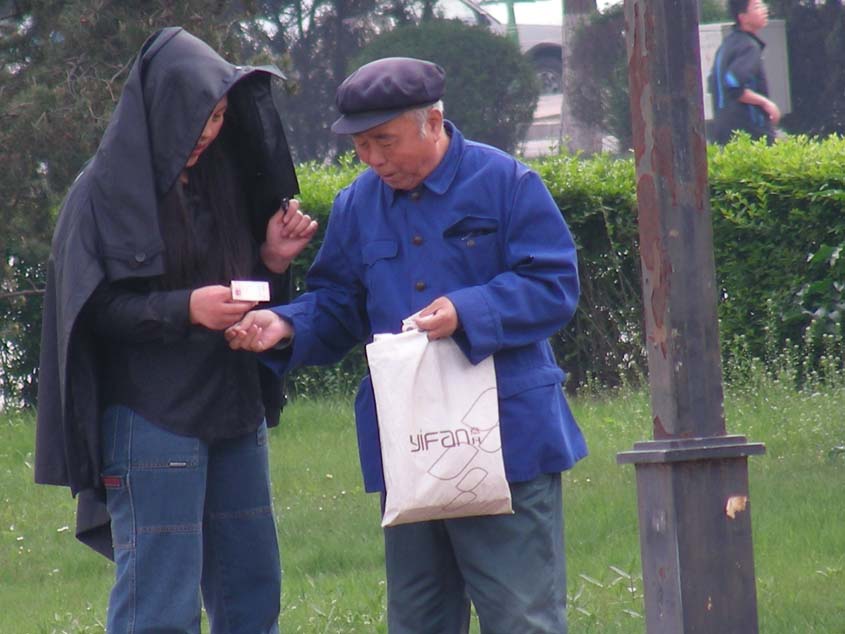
x=382, y=90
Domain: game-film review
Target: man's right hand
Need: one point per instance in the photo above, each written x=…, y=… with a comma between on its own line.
x=756, y=99
x=259, y=330
x=773, y=111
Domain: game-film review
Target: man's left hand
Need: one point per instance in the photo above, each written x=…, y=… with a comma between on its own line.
x=259, y=330
x=439, y=319
x=288, y=232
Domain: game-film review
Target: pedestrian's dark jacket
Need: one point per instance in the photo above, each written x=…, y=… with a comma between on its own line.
x=109, y=234
x=739, y=66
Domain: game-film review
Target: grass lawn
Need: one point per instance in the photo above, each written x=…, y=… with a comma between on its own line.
x=331, y=540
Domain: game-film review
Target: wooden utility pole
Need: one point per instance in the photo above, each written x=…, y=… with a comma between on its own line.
x=692, y=478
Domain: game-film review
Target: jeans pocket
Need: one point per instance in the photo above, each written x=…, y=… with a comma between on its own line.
x=153, y=447
x=154, y=479
x=115, y=429
x=121, y=511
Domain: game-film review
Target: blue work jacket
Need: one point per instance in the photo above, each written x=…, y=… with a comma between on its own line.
x=482, y=230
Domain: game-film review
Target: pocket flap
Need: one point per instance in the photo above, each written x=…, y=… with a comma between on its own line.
x=471, y=226
x=379, y=250
x=535, y=377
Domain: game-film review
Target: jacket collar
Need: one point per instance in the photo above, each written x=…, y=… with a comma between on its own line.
x=442, y=176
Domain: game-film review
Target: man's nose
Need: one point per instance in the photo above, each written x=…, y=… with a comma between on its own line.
x=375, y=157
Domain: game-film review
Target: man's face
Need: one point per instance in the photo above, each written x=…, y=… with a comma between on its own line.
x=399, y=152
x=756, y=16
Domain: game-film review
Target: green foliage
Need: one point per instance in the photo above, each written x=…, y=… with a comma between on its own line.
x=324, y=35
x=778, y=243
x=714, y=11
x=597, y=199
x=491, y=88
x=777, y=229
x=62, y=67
x=598, y=91
x=778, y=240
x=319, y=184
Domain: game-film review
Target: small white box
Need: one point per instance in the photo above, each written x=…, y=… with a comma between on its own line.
x=250, y=291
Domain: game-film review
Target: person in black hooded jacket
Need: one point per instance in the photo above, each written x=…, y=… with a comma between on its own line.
x=148, y=416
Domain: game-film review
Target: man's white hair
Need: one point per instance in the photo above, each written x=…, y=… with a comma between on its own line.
x=421, y=114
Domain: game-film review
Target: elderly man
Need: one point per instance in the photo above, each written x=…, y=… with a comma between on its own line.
x=472, y=238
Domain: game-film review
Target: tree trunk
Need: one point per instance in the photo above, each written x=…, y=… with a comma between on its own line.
x=575, y=135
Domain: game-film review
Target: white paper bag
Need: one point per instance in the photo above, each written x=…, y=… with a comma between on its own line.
x=438, y=419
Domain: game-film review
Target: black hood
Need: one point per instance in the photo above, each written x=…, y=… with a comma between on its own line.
x=171, y=91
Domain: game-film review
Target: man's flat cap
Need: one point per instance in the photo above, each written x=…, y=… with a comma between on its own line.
x=382, y=90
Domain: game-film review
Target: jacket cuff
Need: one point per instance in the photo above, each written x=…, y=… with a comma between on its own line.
x=288, y=354
x=480, y=324
x=176, y=312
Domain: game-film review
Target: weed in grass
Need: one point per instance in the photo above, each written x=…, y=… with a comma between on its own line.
x=616, y=597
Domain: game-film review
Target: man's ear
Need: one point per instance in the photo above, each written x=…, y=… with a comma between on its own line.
x=434, y=122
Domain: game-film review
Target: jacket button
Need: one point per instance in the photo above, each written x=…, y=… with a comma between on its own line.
x=470, y=243
x=420, y=286
x=140, y=257
x=417, y=240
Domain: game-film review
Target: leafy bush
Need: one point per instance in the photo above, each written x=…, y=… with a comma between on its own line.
x=778, y=240
x=598, y=201
x=778, y=237
x=320, y=184
x=491, y=88
x=598, y=90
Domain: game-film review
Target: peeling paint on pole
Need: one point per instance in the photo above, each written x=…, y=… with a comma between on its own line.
x=674, y=218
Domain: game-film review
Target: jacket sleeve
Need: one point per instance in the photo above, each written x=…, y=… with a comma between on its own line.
x=537, y=292
x=331, y=318
x=741, y=71
x=120, y=311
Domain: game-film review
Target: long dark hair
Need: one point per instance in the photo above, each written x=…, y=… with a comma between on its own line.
x=218, y=247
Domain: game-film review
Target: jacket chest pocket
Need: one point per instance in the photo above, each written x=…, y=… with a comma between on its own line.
x=379, y=257
x=473, y=242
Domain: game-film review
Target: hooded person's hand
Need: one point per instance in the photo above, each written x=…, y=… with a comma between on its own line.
x=288, y=232
x=214, y=308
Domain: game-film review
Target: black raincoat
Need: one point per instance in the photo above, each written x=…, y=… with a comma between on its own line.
x=108, y=229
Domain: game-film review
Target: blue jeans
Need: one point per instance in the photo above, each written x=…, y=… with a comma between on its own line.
x=512, y=568
x=189, y=517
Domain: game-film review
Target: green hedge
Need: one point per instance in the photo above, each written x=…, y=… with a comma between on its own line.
x=779, y=237
x=778, y=234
